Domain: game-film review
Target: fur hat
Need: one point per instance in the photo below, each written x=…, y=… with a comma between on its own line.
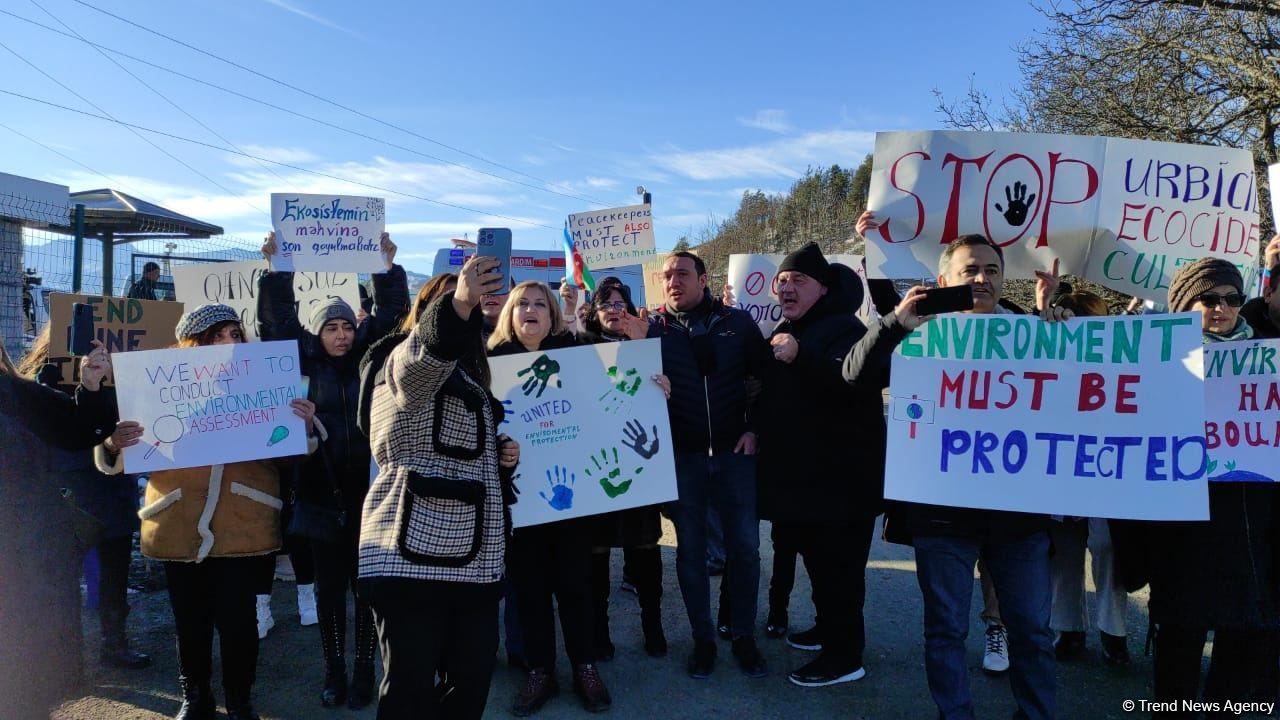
x=1199, y=277
x=202, y=318
x=333, y=309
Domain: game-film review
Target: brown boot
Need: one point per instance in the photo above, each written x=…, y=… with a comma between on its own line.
x=590, y=687
x=539, y=687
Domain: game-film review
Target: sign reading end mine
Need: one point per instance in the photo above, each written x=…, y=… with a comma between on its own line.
x=330, y=233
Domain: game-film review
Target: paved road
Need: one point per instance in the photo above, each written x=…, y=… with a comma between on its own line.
x=290, y=669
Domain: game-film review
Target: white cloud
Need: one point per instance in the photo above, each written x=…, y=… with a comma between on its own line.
x=303, y=13
x=293, y=156
x=598, y=182
x=781, y=158
x=772, y=120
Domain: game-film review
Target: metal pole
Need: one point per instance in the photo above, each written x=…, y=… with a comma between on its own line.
x=77, y=264
x=108, y=262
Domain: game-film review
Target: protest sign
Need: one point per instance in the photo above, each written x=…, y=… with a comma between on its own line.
x=332, y=233
x=752, y=279
x=1092, y=417
x=593, y=429
x=236, y=284
x=613, y=237
x=209, y=405
x=655, y=292
x=1242, y=410
x=122, y=324
x=1123, y=213
x=1273, y=182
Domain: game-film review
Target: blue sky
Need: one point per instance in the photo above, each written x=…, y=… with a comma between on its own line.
x=697, y=101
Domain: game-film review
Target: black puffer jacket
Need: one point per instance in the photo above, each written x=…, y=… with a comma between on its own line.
x=1255, y=313
x=708, y=362
x=334, y=382
x=821, y=439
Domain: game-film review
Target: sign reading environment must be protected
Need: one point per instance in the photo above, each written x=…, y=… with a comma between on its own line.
x=210, y=405
x=593, y=429
x=1093, y=417
x=332, y=233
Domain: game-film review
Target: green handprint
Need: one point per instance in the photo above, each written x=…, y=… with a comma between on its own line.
x=608, y=472
x=628, y=382
x=542, y=368
x=617, y=399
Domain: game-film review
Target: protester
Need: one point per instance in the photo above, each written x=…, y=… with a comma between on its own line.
x=822, y=454
x=39, y=556
x=613, y=317
x=1217, y=575
x=336, y=478
x=107, y=510
x=433, y=532
x=708, y=352
x=1263, y=313
x=212, y=541
x=948, y=540
x=551, y=560
x=144, y=288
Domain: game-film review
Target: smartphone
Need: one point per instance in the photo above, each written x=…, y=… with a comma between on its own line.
x=82, y=335
x=946, y=300
x=496, y=242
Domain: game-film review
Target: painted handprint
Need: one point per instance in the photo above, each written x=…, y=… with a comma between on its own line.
x=609, y=472
x=542, y=368
x=561, y=489
x=637, y=439
x=626, y=384
x=1019, y=203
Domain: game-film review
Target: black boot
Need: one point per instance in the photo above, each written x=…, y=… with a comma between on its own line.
x=197, y=701
x=361, y=691
x=333, y=640
x=115, y=643
x=238, y=705
x=647, y=568
x=600, y=605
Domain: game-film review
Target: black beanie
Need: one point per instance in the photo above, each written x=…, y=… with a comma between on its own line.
x=808, y=260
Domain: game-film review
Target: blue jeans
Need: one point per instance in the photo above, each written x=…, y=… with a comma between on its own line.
x=726, y=482
x=1020, y=571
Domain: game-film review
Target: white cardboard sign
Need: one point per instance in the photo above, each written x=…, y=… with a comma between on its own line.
x=752, y=279
x=236, y=284
x=1242, y=406
x=592, y=426
x=210, y=405
x=333, y=233
x=614, y=237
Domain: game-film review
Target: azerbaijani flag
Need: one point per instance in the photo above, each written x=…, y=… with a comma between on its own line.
x=581, y=274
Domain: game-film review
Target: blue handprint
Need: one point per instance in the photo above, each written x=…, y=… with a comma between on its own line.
x=561, y=489
x=507, y=410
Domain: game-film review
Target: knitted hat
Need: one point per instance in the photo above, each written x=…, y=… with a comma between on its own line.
x=333, y=309
x=1201, y=276
x=808, y=260
x=202, y=318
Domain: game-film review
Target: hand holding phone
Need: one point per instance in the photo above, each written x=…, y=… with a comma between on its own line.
x=496, y=243
x=941, y=300
x=81, y=341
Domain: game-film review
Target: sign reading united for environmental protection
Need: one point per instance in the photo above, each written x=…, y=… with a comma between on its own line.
x=209, y=405
x=329, y=233
x=614, y=237
x=1123, y=213
x=592, y=426
x=752, y=279
x=1242, y=405
x=235, y=284
x=121, y=324
x=1092, y=417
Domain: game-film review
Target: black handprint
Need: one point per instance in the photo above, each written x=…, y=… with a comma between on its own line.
x=637, y=439
x=542, y=368
x=1019, y=203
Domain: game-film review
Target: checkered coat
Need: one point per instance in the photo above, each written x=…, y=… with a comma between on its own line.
x=435, y=509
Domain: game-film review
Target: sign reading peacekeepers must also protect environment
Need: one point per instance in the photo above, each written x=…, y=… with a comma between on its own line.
x=210, y=405
x=236, y=284
x=1242, y=410
x=752, y=279
x=121, y=324
x=1093, y=417
x=592, y=426
x=614, y=237
x=331, y=233
x=1123, y=213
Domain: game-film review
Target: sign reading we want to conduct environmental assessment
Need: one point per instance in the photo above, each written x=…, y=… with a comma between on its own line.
x=1092, y=417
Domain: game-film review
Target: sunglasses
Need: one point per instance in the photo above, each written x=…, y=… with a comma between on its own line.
x=1213, y=300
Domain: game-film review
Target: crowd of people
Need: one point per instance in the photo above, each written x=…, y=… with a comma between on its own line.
x=788, y=428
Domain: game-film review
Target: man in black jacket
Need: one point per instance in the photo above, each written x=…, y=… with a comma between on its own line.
x=708, y=351
x=145, y=287
x=822, y=455
x=947, y=540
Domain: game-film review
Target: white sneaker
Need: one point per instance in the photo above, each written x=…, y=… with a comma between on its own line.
x=307, y=605
x=995, y=658
x=265, y=621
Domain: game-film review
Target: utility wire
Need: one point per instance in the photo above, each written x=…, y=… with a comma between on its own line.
x=298, y=168
x=144, y=138
x=335, y=103
x=113, y=181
